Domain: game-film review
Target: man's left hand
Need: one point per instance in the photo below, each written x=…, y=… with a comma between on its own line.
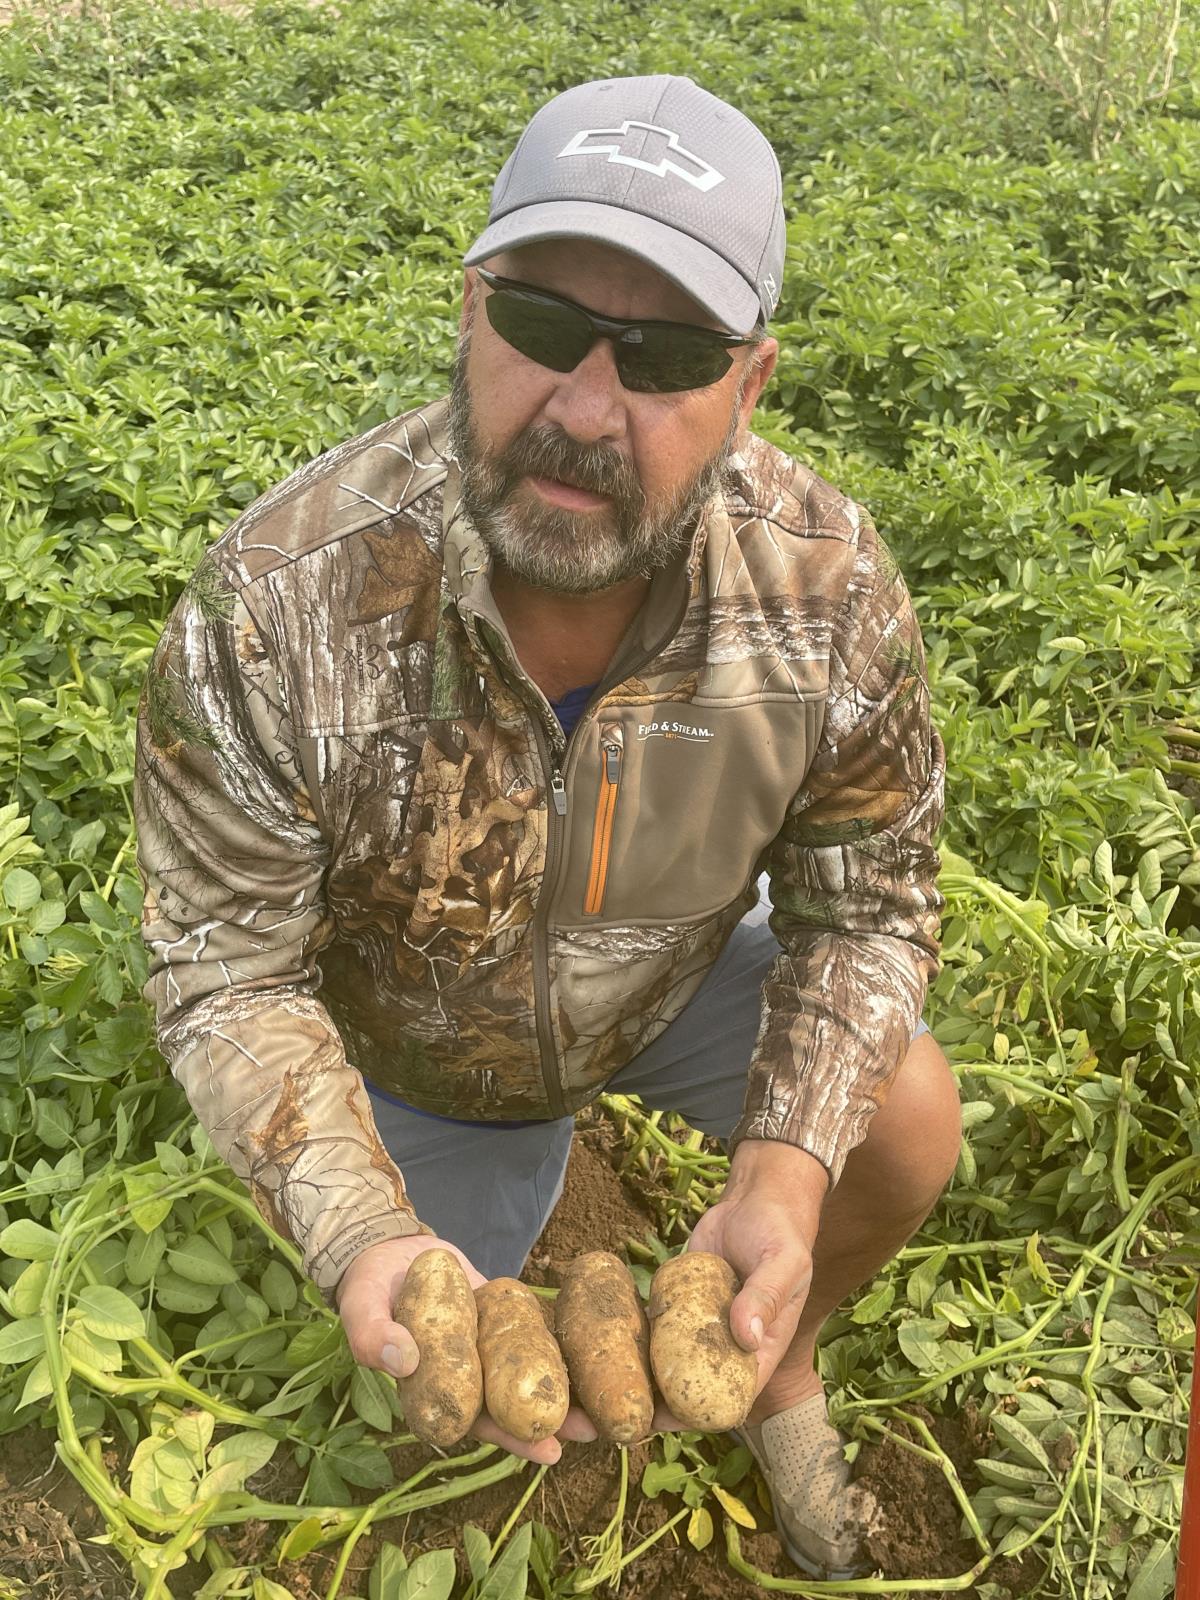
x=764, y=1225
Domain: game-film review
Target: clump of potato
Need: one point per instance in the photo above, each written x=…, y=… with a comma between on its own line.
x=524, y=1380
x=492, y=1347
x=602, y=1328
x=704, y=1375
x=444, y=1396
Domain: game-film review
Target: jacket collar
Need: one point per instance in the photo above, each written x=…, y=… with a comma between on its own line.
x=468, y=569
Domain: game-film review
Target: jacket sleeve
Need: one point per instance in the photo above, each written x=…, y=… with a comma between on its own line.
x=233, y=866
x=853, y=883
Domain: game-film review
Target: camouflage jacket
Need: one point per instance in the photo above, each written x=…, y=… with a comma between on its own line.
x=367, y=848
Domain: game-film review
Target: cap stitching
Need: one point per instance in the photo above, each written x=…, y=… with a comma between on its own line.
x=633, y=171
x=767, y=311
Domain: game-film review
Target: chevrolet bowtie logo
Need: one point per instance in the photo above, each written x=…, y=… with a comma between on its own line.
x=610, y=142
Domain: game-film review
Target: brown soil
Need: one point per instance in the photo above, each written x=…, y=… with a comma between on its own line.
x=921, y=1537
x=596, y=1211
x=45, y=1519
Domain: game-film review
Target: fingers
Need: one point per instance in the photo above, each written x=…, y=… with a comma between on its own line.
x=706, y=1234
x=546, y=1452
x=747, y=1320
x=769, y=1358
x=665, y=1420
x=578, y=1428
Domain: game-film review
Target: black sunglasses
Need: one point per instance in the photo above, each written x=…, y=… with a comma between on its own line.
x=651, y=357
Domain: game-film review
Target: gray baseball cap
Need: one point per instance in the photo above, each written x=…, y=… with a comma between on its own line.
x=658, y=167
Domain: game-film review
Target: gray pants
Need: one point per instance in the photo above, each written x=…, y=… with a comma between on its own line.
x=491, y=1190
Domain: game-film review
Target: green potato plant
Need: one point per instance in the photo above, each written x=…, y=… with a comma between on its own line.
x=232, y=241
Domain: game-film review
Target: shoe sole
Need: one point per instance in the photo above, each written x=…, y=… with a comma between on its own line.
x=805, y=1563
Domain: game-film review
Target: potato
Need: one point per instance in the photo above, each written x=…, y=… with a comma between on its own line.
x=524, y=1380
x=444, y=1395
x=705, y=1376
x=605, y=1338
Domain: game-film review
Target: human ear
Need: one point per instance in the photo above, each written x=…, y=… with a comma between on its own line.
x=759, y=367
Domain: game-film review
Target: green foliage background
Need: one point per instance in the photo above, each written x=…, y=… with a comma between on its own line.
x=228, y=245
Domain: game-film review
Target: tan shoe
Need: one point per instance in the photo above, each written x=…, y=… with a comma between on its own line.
x=822, y=1517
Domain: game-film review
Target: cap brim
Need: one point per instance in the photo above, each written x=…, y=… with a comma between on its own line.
x=696, y=269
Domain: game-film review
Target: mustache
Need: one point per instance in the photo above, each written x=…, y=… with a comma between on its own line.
x=548, y=452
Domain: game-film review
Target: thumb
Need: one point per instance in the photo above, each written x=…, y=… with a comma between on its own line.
x=770, y=1289
x=398, y=1353
x=375, y=1338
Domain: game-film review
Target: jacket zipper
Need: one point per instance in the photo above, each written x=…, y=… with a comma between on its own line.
x=602, y=827
x=541, y=939
x=555, y=826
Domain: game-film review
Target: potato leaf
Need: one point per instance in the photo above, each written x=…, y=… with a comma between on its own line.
x=734, y=1508
x=300, y=1539
x=199, y=1261
x=108, y=1312
x=700, y=1528
x=1154, y=1577
x=28, y=1241
x=508, y=1578
x=20, y=1340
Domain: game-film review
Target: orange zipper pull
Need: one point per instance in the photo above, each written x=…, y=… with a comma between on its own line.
x=602, y=827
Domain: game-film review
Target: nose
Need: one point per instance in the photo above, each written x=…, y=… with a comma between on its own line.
x=589, y=402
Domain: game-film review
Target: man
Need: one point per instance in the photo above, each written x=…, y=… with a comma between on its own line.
x=500, y=711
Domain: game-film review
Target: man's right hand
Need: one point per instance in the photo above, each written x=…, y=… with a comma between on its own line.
x=366, y=1295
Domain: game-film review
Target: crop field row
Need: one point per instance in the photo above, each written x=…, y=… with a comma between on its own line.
x=229, y=242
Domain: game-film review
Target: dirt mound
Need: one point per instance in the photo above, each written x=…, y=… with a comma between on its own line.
x=596, y=1211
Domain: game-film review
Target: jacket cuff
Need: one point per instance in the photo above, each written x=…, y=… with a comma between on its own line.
x=763, y=1125
x=327, y=1267
x=825, y=1105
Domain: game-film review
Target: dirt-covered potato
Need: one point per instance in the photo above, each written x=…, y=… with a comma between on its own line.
x=605, y=1338
x=444, y=1395
x=524, y=1380
x=705, y=1376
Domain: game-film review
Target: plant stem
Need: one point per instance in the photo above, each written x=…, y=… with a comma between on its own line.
x=934, y=1452
x=115, y=870
x=640, y=1549
x=1029, y=1086
x=175, y=1546
x=347, y=1550
x=818, y=1589
x=516, y=1512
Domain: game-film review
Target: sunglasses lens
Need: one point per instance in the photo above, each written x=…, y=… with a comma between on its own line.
x=669, y=360
x=650, y=359
x=552, y=335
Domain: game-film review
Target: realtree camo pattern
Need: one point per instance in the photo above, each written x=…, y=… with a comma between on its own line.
x=352, y=868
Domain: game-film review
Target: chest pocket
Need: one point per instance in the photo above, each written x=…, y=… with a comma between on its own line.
x=671, y=807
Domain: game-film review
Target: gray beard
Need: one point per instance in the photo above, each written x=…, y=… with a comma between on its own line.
x=562, y=551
